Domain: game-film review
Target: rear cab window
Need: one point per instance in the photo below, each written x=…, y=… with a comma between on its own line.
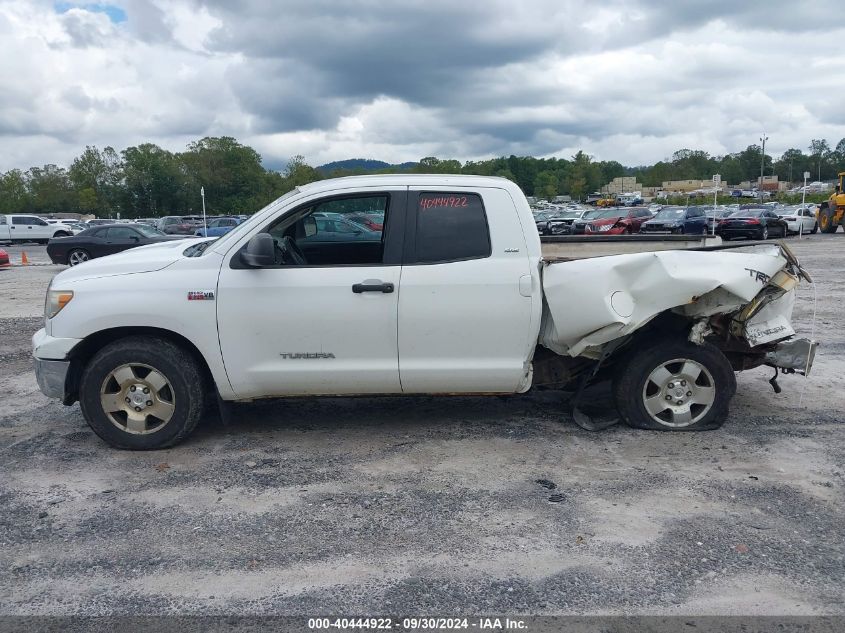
x=450, y=227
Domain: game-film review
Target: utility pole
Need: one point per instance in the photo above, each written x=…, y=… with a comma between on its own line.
x=204, y=222
x=763, y=139
x=803, y=205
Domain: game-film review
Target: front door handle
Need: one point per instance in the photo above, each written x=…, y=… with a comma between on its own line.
x=372, y=285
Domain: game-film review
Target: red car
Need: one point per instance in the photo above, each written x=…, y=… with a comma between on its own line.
x=373, y=221
x=4, y=259
x=618, y=221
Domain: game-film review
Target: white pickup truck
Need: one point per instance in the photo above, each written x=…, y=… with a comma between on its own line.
x=407, y=284
x=30, y=228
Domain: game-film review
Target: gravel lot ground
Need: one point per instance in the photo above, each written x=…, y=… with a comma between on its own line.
x=429, y=506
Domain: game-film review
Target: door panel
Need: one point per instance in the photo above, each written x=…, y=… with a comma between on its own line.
x=289, y=331
x=295, y=330
x=463, y=325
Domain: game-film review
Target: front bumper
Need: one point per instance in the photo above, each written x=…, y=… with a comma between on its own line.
x=52, y=377
x=53, y=365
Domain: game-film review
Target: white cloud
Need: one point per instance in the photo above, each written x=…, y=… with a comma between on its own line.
x=631, y=81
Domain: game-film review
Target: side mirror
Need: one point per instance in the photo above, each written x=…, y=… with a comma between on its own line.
x=260, y=251
x=309, y=225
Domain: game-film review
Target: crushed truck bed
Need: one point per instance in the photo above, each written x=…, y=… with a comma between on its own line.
x=590, y=302
x=570, y=247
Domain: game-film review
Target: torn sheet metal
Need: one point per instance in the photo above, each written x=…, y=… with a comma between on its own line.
x=772, y=322
x=797, y=355
x=590, y=302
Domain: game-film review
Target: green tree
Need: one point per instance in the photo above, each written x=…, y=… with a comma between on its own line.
x=14, y=193
x=50, y=189
x=154, y=183
x=298, y=172
x=820, y=151
x=546, y=185
x=96, y=176
x=230, y=172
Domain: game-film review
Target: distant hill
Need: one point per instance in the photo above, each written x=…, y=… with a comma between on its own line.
x=365, y=164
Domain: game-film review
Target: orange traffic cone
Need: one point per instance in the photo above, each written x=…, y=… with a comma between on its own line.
x=24, y=259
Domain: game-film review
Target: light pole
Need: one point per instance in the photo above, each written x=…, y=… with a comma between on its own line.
x=763, y=139
x=803, y=200
x=204, y=223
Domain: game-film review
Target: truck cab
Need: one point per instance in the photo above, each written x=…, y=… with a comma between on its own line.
x=30, y=228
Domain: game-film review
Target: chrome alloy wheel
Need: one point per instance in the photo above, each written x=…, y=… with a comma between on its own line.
x=77, y=257
x=137, y=399
x=679, y=393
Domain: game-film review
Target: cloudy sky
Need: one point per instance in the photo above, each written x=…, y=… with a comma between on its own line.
x=398, y=80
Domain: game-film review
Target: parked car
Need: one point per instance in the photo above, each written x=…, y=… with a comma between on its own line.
x=373, y=221
x=619, y=221
x=579, y=226
x=29, y=228
x=752, y=222
x=4, y=259
x=713, y=217
x=800, y=220
x=688, y=220
x=98, y=222
x=103, y=240
x=560, y=223
x=217, y=227
x=460, y=302
x=178, y=225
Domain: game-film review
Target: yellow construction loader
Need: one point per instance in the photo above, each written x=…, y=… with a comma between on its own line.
x=832, y=211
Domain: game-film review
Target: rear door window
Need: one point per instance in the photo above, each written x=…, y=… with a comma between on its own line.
x=451, y=227
x=121, y=233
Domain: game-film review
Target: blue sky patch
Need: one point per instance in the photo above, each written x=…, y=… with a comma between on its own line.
x=116, y=14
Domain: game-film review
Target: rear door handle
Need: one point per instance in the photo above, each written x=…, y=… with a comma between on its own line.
x=372, y=285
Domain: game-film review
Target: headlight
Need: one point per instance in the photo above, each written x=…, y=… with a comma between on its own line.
x=605, y=227
x=56, y=300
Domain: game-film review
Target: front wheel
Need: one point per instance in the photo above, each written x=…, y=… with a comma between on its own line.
x=764, y=234
x=142, y=393
x=815, y=228
x=675, y=386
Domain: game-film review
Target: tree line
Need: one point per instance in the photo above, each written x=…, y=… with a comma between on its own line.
x=149, y=181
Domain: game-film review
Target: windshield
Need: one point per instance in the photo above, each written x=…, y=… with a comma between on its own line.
x=592, y=215
x=747, y=213
x=147, y=231
x=250, y=222
x=670, y=214
x=568, y=215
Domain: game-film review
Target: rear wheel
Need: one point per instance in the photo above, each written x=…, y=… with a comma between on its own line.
x=77, y=256
x=62, y=234
x=142, y=393
x=675, y=386
x=764, y=233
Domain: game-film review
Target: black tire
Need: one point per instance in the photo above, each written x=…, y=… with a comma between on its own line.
x=175, y=364
x=77, y=256
x=815, y=228
x=633, y=386
x=764, y=233
x=62, y=234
